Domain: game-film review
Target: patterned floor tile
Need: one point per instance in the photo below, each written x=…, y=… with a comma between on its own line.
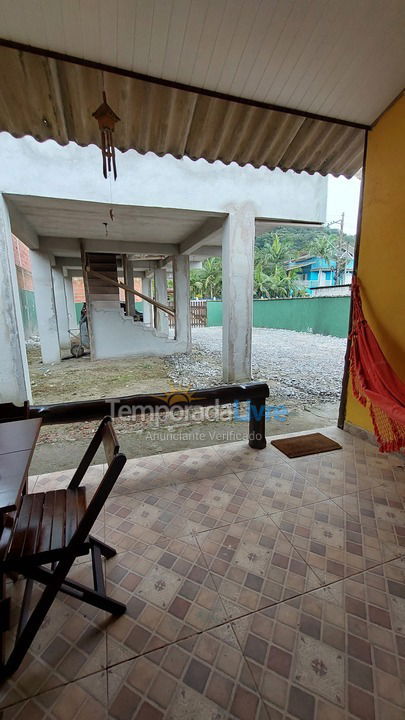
x=168, y=591
x=202, y=678
x=60, y=480
x=179, y=510
x=337, y=652
x=382, y=510
x=238, y=456
x=254, y=565
x=141, y=474
x=338, y=473
x=333, y=543
x=85, y=699
x=70, y=644
x=279, y=488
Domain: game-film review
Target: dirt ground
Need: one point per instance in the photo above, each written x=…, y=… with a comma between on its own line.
x=84, y=379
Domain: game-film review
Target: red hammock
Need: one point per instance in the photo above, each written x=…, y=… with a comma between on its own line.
x=374, y=382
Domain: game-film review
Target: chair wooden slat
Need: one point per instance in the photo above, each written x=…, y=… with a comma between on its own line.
x=110, y=442
x=31, y=535
x=44, y=540
x=58, y=526
x=21, y=525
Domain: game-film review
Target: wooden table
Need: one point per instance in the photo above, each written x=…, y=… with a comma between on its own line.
x=17, y=443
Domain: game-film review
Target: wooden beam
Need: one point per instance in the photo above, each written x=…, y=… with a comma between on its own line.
x=164, y=308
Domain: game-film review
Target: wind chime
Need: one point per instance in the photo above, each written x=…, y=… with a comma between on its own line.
x=107, y=119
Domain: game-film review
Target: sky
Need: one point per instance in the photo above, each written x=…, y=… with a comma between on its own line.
x=343, y=196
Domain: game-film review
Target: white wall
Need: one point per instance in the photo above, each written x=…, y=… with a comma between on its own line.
x=117, y=335
x=49, y=170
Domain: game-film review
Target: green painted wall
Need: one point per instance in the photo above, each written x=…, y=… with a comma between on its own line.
x=29, y=313
x=319, y=315
x=78, y=306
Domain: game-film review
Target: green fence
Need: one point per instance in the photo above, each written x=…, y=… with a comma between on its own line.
x=318, y=315
x=29, y=314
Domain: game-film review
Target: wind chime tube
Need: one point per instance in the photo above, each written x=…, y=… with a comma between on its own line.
x=107, y=118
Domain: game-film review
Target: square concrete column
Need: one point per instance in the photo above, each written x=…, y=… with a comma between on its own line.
x=147, y=307
x=61, y=307
x=237, y=294
x=14, y=378
x=45, y=306
x=70, y=302
x=128, y=269
x=162, y=318
x=181, y=284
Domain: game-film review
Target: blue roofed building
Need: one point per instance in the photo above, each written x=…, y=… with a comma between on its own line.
x=316, y=272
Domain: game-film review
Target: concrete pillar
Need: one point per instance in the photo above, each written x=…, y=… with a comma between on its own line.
x=45, y=306
x=128, y=269
x=237, y=294
x=181, y=284
x=147, y=307
x=14, y=378
x=70, y=302
x=162, y=319
x=61, y=307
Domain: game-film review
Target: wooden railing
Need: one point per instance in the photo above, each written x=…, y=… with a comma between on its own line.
x=254, y=393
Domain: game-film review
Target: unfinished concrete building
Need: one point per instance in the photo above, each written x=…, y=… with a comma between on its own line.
x=161, y=216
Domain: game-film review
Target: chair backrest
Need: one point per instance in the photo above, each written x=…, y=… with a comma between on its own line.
x=9, y=411
x=116, y=462
x=104, y=434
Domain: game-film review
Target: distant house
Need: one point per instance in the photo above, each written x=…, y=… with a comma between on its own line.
x=316, y=272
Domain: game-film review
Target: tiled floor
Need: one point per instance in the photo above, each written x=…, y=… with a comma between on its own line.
x=257, y=587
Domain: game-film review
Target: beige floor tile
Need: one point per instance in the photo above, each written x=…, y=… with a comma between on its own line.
x=84, y=699
x=202, y=678
x=332, y=542
x=332, y=653
x=254, y=565
x=168, y=591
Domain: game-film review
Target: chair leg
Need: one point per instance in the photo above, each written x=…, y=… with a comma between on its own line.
x=81, y=592
x=106, y=550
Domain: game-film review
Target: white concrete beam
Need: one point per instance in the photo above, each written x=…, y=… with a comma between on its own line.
x=181, y=283
x=147, y=307
x=62, y=318
x=14, y=377
x=45, y=306
x=162, y=320
x=65, y=246
x=70, y=303
x=21, y=227
x=209, y=228
x=237, y=294
x=208, y=251
x=128, y=272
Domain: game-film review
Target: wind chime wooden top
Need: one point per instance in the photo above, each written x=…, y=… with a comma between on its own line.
x=107, y=119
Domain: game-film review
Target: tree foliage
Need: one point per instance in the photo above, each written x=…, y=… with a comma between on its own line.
x=272, y=250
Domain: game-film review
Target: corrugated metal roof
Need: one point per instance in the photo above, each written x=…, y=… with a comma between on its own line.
x=54, y=99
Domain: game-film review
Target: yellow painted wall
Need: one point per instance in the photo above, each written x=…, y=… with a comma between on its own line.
x=381, y=268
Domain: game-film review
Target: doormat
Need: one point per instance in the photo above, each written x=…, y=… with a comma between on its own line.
x=302, y=445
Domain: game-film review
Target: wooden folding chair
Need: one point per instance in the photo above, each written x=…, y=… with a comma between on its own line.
x=53, y=528
x=9, y=411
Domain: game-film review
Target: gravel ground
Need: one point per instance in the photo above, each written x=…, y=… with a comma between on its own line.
x=300, y=368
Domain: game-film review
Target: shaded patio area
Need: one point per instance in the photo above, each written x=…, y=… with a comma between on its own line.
x=257, y=587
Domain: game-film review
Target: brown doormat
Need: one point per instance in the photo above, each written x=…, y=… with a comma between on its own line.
x=302, y=445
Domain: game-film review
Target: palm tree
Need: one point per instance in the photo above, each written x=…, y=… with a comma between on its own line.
x=274, y=254
x=196, y=284
x=211, y=277
x=279, y=283
x=260, y=281
x=322, y=246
